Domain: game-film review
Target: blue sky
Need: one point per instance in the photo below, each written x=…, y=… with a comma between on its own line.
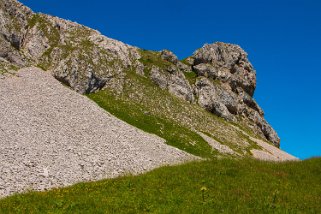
x=282, y=38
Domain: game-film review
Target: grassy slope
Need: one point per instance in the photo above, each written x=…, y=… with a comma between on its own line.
x=241, y=186
x=143, y=104
x=139, y=116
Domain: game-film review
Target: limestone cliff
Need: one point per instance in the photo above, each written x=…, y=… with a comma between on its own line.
x=217, y=77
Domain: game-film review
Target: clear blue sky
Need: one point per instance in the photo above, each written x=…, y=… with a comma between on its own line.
x=282, y=37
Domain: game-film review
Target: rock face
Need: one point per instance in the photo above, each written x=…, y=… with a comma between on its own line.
x=80, y=57
x=227, y=63
x=13, y=18
x=218, y=77
x=226, y=86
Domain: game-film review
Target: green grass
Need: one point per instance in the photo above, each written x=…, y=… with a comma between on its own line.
x=139, y=116
x=185, y=61
x=191, y=77
x=153, y=58
x=232, y=186
x=9, y=68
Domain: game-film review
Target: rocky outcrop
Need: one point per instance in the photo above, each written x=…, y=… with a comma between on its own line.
x=227, y=62
x=78, y=56
x=230, y=85
x=13, y=19
x=225, y=84
x=81, y=57
x=164, y=69
x=218, y=77
x=169, y=56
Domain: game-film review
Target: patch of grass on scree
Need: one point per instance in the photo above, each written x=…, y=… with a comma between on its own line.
x=216, y=186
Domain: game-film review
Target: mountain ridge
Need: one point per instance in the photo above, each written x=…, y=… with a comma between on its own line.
x=218, y=77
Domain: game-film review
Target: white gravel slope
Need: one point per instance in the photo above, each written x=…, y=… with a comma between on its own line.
x=268, y=151
x=51, y=136
x=216, y=145
x=271, y=153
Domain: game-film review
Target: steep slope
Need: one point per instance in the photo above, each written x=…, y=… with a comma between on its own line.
x=51, y=136
x=218, y=80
